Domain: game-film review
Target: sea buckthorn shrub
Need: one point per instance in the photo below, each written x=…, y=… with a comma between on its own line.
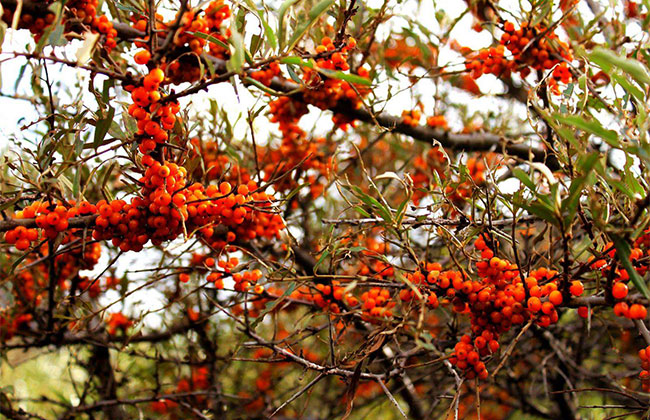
x=324, y=210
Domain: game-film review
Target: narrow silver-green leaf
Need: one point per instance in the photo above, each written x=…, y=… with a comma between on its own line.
x=314, y=14
x=268, y=32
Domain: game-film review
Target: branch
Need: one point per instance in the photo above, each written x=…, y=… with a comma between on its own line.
x=428, y=221
x=100, y=367
x=73, y=222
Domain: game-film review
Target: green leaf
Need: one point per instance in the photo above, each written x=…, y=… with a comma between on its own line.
x=541, y=210
x=56, y=36
x=102, y=126
x=622, y=187
x=211, y=68
x=295, y=191
x=210, y=38
x=293, y=75
x=629, y=87
x=361, y=211
x=570, y=204
x=272, y=305
x=296, y=60
x=238, y=56
x=373, y=203
x=256, y=43
x=240, y=19
x=18, y=260
x=108, y=84
x=107, y=174
x=281, y=17
x=606, y=59
x=401, y=210
x=350, y=78
x=20, y=75
x=314, y=14
x=593, y=127
x=128, y=8
x=623, y=255
x=568, y=91
x=524, y=178
x=263, y=87
x=270, y=35
x=324, y=255
x=76, y=183
x=543, y=13
x=567, y=135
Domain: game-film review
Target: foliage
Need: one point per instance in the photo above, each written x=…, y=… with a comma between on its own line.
x=326, y=209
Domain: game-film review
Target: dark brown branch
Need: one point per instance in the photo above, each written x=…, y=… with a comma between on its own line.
x=73, y=222
x=100, y=367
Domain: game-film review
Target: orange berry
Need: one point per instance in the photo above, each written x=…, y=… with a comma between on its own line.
x=142, y=57
x=225, y=188
x=619, y=290
x=405, y=295
x=576, y=288
x=621, y=309
x=53, y=218
x=11, y=236
x=638, y=311
x=534, y=304
x=156, y=75
x=22, y=244
x=583, y=311
x=480, y=342
x=555, y=297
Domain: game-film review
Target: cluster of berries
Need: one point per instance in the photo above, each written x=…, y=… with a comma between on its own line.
x=155, y=118
x=199, y=380
x=326, y=92
x=412, y=117
x=620, y=277
x=332, y=298
x=531, y=48
x=437, y=121
x=51, y=217
x=644, y=376
x=10, y=324
x=266, y=74
x=79, y=16
x=116, y=322
x=182, y=63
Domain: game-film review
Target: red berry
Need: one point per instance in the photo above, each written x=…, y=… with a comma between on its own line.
x=619, y=290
